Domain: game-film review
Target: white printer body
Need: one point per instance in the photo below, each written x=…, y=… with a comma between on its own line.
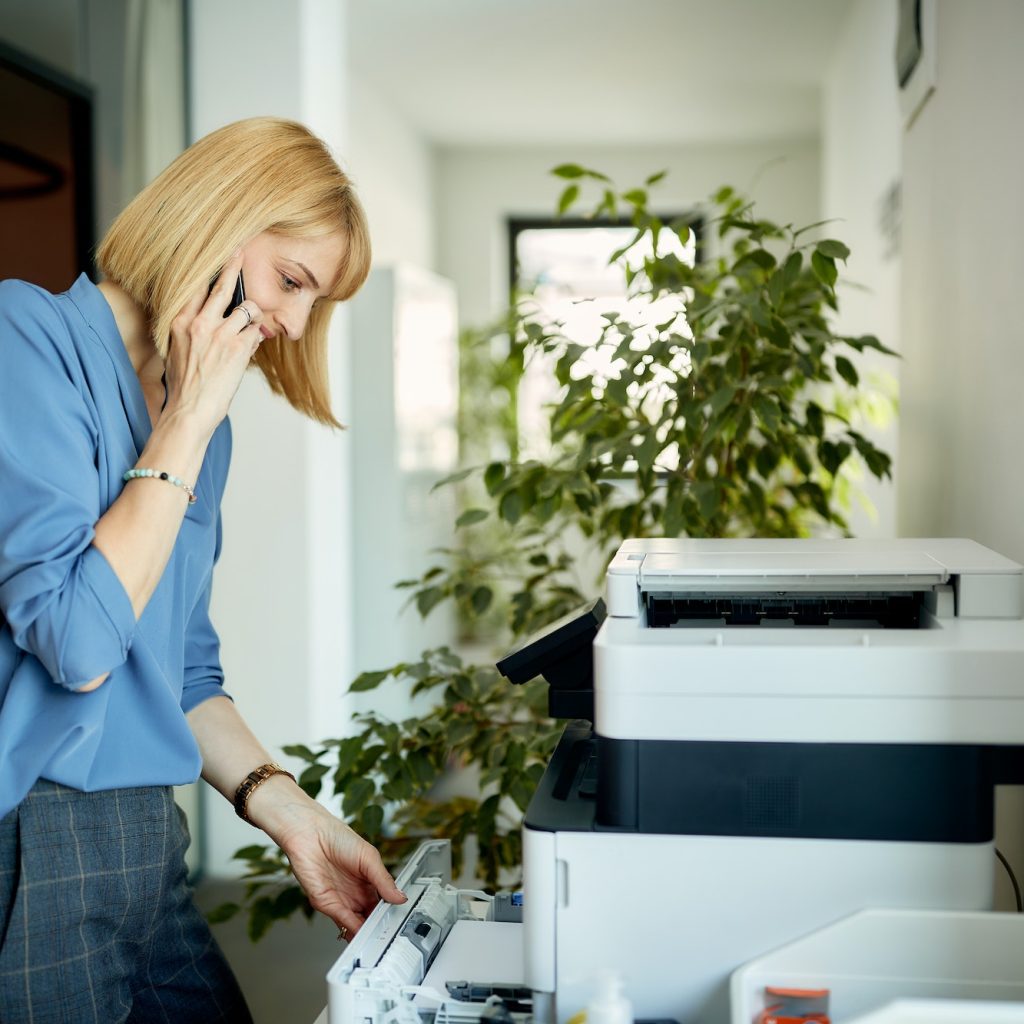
x=785, y=732
x=780, y=733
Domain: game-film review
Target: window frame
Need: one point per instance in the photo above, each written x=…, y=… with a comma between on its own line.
x=517, y=224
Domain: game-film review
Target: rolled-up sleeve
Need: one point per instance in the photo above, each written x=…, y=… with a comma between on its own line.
x=62, y=600
x=203, y=677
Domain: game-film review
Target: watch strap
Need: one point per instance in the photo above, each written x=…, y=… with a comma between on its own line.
x=254, y=779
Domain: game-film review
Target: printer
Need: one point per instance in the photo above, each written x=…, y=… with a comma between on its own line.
x=765, y=736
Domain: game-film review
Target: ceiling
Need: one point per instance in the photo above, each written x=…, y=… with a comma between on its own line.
x=499, y=72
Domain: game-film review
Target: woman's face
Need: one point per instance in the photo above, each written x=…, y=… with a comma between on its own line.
x=284, y=276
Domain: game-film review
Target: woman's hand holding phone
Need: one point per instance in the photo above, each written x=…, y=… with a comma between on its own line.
x=213, y=339
x=237, y=297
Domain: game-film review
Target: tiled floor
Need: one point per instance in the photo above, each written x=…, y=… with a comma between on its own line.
x=282, y=975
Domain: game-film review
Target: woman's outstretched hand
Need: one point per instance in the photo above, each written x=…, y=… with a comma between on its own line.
x=341, y=873
x=208, y=352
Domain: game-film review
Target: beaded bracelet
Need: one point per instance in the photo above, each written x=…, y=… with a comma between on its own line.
x=156, y=474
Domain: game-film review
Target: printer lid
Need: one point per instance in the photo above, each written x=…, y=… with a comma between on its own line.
x=795, y=569
x=986, y=583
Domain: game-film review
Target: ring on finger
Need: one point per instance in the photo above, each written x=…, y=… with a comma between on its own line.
x=248, y=315
x=343, y=934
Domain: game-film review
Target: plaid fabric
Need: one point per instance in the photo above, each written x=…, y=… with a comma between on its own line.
x=97, y=923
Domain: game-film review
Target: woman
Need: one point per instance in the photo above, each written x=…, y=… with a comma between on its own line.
x=114, y=449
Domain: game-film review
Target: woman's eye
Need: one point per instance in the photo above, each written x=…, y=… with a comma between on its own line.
x=289, y=284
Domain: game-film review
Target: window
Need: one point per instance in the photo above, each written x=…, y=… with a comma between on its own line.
x=565, y=266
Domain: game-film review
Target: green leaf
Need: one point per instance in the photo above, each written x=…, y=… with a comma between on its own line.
x=766, y=460
x=778, y=333
x=453, y=479
x=421, y=767
x=655, y=178
x=521, y=790
x=493, y=476
x=481, y=599
x=288, y=901
x=833, y=249
x=759, y=257
x=349, y=750
x=707, y=498
x=847, y=371
x=224, y=912
x=878, y=462
x=567, y=198
x=829, y=456
x=511, y=507
x=722, y=398
x=815, y=419
x=785, y=277
x=681, y=226
x=299, y=750
x=792, y=267
x=255, y=852
x=614, y=258
x=471, y=516
x=870, y=341
x=568, y=171
x=311, y=779
x=261, y=917
x=723, y=195
x=576, y=171
x=608, y=203
x=427, y=600
x=368, y=681
x=371, y=820
x=768, y=411
x=824, y=268
x=357, y=796
x=459, y=731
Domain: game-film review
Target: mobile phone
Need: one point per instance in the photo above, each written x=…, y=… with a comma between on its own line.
x=237, y=296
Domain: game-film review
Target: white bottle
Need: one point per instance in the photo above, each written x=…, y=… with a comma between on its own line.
x=609, y=1005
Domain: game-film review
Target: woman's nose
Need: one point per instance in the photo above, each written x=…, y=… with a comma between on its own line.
x=295, y=319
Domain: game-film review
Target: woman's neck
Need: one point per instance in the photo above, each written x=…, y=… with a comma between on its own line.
x=134, y=330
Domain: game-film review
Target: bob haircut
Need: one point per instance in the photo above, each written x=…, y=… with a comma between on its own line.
x=261, y=174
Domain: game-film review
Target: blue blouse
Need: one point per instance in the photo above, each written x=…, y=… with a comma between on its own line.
x=73, y=418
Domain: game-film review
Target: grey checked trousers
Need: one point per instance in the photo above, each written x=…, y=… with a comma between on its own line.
x=97, y=923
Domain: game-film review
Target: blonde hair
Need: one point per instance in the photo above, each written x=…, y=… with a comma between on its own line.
x=261, y=174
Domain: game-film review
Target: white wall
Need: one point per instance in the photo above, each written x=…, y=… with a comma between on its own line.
x=397, y=521
x=963, y=340
x=963, y=333
x=861, y=168
x=478, y=188
x=393, y=170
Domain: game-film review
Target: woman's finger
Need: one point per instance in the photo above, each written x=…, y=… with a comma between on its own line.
x=245, y=314
x=220, y=294
x=348, y=923
x=190, y=310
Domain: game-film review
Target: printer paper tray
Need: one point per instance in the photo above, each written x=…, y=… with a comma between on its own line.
x=396, y=969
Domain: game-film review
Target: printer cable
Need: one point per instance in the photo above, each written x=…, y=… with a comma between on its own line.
x=1013, y=881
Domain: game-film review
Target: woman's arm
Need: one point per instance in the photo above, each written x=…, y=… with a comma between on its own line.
x=341, y=874
x=205, y=363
